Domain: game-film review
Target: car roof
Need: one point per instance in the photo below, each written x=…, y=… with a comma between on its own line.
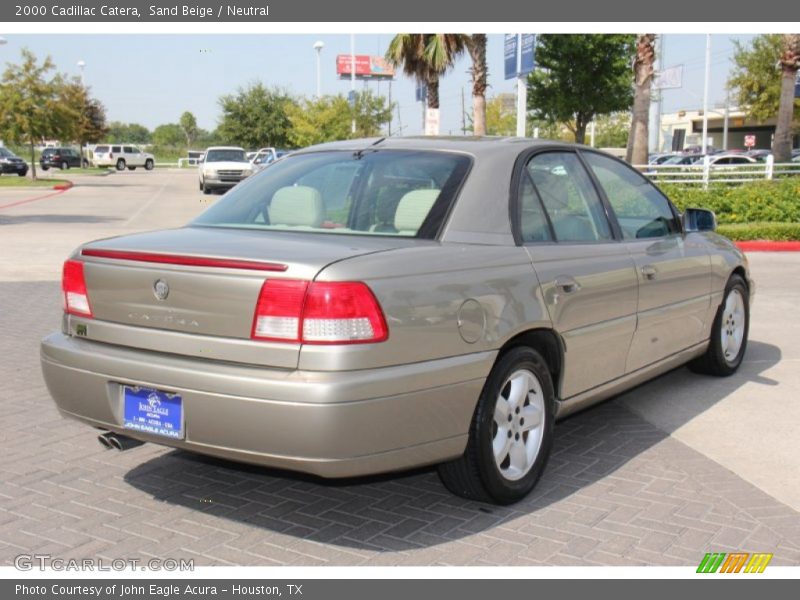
x=225, y=148
x=475, y=146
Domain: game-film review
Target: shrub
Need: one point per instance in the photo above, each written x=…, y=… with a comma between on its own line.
x=776, y=201
x=777, y=232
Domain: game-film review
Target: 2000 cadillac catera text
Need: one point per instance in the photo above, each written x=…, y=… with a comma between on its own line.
x=375, y=305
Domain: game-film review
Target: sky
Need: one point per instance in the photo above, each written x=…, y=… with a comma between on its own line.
x=152, y=78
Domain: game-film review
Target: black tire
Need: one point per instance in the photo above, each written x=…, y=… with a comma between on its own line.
x=64, y=166
x=85, y=163
x=476, y=475
x=23, y=173
x=715, y=361
x=45, y=167
x=206, y=190
x=149, y=164
x=121, y=164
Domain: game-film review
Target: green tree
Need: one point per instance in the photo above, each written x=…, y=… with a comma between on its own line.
x=789, y=63
x=426, y=57
x=256, y=116
x=579, y=77
x=188, y=123
x=643, y=71
x=131, y=133
x=33, y=104
x=612, y=130
x=169, y=134
x=501, y=116
x=755, y=80
x=90, y=125
x=329, y=118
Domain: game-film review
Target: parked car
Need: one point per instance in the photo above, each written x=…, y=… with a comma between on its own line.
x=10, y=163
x=727, y=158
x=223, y=167
x=682, y=159
x=121, y=157
x=759, y=155
x=369, y=306
x=263, y=157
x=657, y=159
x=61, y=158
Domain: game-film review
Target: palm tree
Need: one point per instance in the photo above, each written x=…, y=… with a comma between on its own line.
x=789, y=63
x=643, y=80
x=426, y=57
x=476, y=46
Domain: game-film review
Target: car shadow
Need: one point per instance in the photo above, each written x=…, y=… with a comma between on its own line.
x=59, y=219
x=412, y=510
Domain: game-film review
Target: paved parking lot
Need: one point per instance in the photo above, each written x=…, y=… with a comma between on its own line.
x=659, y=476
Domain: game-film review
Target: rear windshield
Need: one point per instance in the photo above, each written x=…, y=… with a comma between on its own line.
x=101, y=149
x=403, y=193
x=48, y=151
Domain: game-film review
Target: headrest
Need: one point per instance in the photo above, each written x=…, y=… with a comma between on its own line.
x=413, y=208
x=297, y=205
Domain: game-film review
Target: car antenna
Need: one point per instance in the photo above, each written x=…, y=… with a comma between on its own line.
x=360, y=153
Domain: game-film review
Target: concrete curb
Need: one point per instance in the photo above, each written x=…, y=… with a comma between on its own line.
x=768, y=246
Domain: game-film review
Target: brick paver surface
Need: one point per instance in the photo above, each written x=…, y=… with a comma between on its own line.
x=617, y=491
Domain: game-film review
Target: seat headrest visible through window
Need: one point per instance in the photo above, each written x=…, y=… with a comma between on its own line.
x=412, y=210
x=297, y=205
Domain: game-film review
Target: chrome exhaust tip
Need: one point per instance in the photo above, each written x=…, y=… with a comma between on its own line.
x=117, y=441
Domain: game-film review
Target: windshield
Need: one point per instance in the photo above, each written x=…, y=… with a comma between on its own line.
x=5, y=153
x=230, y=155
x=377, y=192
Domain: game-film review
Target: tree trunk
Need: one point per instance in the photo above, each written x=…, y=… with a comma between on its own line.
x=432, y=91
x=580, y=131
x=477, y=52
x=643, y=78
x=33, y=161
x=789, y=63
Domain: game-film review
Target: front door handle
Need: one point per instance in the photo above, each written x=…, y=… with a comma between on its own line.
x=567, y=285
x=649, y=272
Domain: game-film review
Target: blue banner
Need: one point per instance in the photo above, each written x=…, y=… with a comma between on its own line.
x=528, y=61
x=510, y=55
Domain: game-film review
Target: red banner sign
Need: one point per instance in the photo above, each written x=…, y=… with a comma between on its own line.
x=367, y=67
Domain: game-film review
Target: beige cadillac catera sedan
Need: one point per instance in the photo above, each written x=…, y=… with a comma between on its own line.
x=374, y=305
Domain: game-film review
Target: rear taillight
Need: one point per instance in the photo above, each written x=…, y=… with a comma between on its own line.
x=110, y=155
x=73, y=284
x=343, y=312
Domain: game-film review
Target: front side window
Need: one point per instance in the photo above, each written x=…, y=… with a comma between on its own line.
x=642, y=211
x=565, y=191
x=378, y=192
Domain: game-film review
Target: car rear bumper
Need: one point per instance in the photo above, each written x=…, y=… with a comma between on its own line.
x=333, y=424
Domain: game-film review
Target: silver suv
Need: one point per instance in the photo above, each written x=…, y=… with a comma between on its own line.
x=122, y=156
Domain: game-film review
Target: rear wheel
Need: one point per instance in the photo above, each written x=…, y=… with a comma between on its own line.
x=64, y=165
x=511, y=433
x=148, y=164
x=45, y=167
x=121, y=165
x=728, y=334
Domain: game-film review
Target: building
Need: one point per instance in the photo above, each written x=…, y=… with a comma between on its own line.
x=684, y=128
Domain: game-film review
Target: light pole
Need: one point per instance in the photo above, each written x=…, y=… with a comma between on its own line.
x=318, y=46
x=82, y=66
x=705, y=93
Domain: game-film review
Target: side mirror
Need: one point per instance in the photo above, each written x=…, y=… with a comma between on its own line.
x=201, y=158
x=699, y=219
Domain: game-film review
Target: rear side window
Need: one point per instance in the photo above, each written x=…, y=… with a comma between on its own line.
x=642, y=211
x=378, y=192
x=116, y=148
x=566, y=193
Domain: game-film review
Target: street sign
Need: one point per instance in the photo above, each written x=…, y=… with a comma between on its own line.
x=669, y=78
x=528, y=53
x=510, y=55
x=351, y=98
x=431, y=121
x=749, y=140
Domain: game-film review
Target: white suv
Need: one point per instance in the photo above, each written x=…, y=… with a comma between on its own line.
x=222, y=167
x=122, y=157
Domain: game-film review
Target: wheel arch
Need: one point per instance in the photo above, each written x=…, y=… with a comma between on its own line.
x=547, y=343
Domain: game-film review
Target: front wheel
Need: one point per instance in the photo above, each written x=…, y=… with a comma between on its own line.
x=149, y=164
x=64, y=166
x=511, y=433
x=728, y=334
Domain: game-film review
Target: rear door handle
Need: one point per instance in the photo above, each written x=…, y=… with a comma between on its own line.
x=567, y=285
x=649, y=272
